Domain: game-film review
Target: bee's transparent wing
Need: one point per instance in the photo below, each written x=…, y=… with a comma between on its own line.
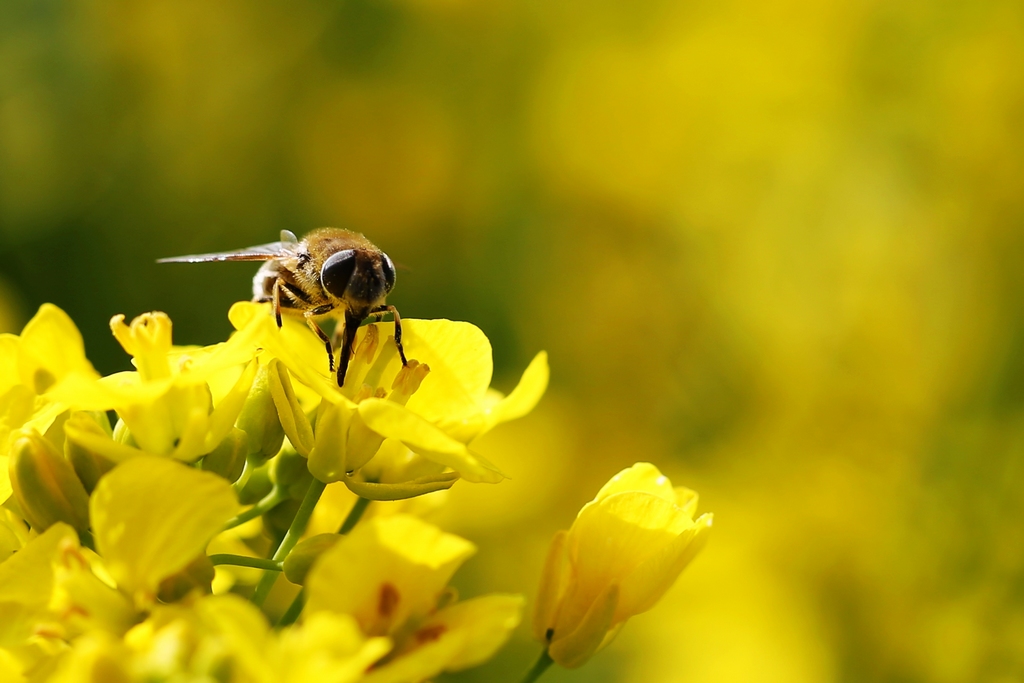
x=261, y=252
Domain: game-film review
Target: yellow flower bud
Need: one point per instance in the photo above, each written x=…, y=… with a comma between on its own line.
x=45, y=485
x=625, y=549
x=228, y=459
x=259, y=420
x=302, y=556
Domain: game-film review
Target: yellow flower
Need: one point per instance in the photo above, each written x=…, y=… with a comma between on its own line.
x=625, y=549
x=391, y=574
x=48, y=354
x=436, y=415
x=166, y=405
x=152, y=516
x=223, y=638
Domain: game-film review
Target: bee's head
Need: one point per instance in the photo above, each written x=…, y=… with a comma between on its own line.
x=358, y=275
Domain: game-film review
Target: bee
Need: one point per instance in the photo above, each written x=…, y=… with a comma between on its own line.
x=330, y=272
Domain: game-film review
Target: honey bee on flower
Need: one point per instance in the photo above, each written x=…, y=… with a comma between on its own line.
x=329, y=273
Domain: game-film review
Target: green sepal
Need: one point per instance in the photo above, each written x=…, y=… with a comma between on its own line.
x=228, y=458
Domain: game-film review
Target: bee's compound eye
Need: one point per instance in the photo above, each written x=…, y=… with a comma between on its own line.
x=337, y=272
x=389, y=271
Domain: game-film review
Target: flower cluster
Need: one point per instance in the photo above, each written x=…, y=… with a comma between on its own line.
x=148, y=515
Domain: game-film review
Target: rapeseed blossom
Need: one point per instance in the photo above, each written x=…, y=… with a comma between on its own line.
x=128, y=550
x=623, y=551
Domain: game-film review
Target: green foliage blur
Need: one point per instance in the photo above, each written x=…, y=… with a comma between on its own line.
x=775, y=248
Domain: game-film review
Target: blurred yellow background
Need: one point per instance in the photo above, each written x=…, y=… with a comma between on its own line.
x=775, y=248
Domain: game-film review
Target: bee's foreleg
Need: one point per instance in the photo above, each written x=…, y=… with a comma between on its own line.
x=277, y=302
x=398, y=329
x=308, y=315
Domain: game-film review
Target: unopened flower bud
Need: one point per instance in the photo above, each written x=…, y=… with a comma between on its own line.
x=288, y=471
x=228, y=458
x=300, y=560
x=259, y=420
x=87, y=463
x=45, y=485
x=293, y=419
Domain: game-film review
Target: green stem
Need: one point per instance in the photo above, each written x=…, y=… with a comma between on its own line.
x=293, y=611
x=266, y=504
x=539, y=667
x=295, y=531
x=244, y=561
x=354, y=515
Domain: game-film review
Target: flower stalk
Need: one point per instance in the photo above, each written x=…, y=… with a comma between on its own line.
x=539, y=667
x=295, y=531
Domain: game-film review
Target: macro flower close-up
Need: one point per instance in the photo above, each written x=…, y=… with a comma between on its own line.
x=391, y=341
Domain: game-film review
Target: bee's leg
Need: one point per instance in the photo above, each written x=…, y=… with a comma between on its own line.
x=308, y=315
x=348, y=338
x=277, y=302
x=398, y=329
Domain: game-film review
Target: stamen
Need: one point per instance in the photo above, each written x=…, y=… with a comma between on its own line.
x=408, y=381
x=387, y=603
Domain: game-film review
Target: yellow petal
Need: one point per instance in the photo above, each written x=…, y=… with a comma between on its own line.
x=293, y=344
x=89, y=436
x=50, y=349
x=609, y=539
x=525, y=396
x=552, y=586
x=458, y=637
x=27, y=576
x=152, y=516
x=643, y=476
x=327, y=648
x=396, y=422
x=574, y=649
x=645, y=585
x=226, y=411
x=487, y=623
x=459, y=356
x=8, y=362
x=385, y=571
